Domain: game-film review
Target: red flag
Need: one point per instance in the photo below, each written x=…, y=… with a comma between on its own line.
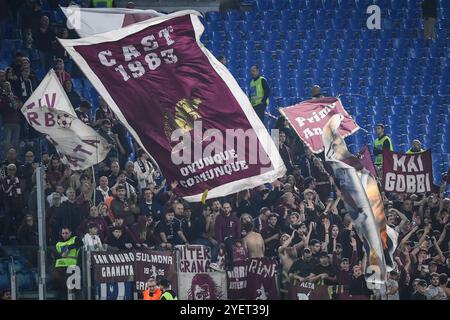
x=309, y=117
x=366, y=160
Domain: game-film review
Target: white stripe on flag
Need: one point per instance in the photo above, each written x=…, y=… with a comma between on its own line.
x=103, y=291
x=120, y=290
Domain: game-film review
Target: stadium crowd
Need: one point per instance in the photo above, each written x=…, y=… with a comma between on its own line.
x=125, y=203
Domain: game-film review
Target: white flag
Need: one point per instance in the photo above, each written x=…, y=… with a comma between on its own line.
x=90, y=21
x=50, y=112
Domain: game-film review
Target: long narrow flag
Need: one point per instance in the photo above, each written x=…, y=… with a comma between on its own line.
x=309, y=117
x=49, y=111
x=180, y=104
x=362, y=199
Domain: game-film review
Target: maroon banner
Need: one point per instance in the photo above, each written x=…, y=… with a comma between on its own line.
x=308, y=291
x=309, y=117
x=262, y=279
x=366, y=160
x=407, y=173
x=152, y=263
x=181, y=104
x=109, y=266
x=237, y=280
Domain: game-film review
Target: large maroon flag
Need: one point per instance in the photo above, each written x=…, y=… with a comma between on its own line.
x=309, y=117
x=407, y=173
x=179, y=102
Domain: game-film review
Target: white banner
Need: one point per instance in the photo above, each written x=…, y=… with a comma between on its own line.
x=49, y=111
x=90, y=21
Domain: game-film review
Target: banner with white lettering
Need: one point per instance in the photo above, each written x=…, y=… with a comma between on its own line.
x=407, y=173
x=237, y=280
x=196, y=280
x=152, y=263
x=49, y=111
x=117, y=266
x=307, y=291
x=262, y=279
x=180, y=104
x=194, y=258
x=90, y=21
x=309, y=117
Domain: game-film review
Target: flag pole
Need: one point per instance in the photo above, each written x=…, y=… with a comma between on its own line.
x=41, y=231
x=93, y=181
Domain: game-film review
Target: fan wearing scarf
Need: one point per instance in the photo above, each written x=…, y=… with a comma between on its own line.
x=144, y=170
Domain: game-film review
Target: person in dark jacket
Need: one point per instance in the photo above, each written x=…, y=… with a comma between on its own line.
x=69, y=213
x=358, y=286
x=94, y=218
x=227, y=224
x=149, y=207
x=27, y=237
x=73, y=96
x=121, y=207
x=419, y=294
x=169, y=230
x=119, y=239
x=143, y=232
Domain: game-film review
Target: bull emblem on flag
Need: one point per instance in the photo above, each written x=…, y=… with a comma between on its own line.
x=186, y=113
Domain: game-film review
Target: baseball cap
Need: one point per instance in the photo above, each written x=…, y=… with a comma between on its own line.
x=323, y=254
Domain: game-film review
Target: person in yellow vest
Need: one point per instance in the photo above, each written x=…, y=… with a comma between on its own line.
x=416, y=147
x=103, y=4
x=167, y=294
x=259, y=92
x=381, y=142
x=67, y=250
x=152, y=292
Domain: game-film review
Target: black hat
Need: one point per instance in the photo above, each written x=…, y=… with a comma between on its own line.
x=92, y=225
x=323, y=254
x=422, y=283
x=85, y=104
